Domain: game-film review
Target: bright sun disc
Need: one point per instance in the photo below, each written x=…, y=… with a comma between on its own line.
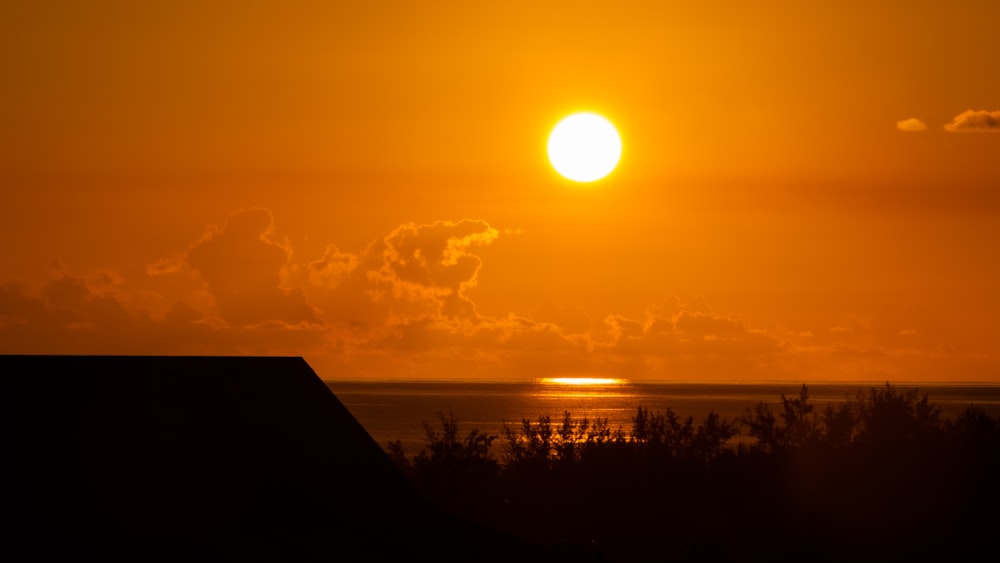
x=584, y=147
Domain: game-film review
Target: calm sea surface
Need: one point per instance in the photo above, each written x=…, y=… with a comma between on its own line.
x=392, y=410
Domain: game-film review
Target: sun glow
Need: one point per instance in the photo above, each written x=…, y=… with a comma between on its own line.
x=584, y=147
x=576, y=381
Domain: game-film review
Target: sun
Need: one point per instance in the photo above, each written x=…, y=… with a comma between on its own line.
x=584, y=147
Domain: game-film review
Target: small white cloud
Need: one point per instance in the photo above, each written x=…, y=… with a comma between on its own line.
x=911, y=125
x=975, y=120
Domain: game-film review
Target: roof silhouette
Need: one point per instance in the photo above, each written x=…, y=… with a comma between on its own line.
x=199, y=458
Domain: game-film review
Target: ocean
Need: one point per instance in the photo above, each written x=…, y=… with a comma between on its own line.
x=391, y=410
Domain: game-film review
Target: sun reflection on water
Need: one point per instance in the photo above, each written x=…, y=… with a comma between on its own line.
x=581, y=388
x=582, y=381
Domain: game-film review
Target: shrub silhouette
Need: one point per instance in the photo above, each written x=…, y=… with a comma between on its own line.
x=891, y=417
x=799, y=423
x=763, y=426
x=538, y=446
x=663, y=434
x=865, y=479
x=712, y=436
x=973, y=428
x=839, y=424
x=445, y=455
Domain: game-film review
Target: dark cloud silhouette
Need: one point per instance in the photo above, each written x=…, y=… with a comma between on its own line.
x=975, y=120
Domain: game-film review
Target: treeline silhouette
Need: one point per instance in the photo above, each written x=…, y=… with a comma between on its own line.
x=883, y=476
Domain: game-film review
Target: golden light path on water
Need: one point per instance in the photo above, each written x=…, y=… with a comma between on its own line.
x=587, y=388
x=582, y=381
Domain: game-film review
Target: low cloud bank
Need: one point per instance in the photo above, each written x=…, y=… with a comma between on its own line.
x=402, y=307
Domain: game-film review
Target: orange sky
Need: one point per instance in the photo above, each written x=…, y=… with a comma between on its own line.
x=808, y=191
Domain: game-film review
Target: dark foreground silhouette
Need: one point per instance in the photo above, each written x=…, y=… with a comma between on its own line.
x=205, y=459
x=255, y=459
x=881, y=477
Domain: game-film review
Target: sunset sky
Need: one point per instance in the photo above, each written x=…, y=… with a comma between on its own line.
x=808, y=191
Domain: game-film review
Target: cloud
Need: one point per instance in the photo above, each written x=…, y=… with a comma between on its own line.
x=436, y=255
x=708, y=327
x=416, y=271
x=17, y=308
x=397, y=307
x=911, y=125
x=401, y=307
x=165, y=266
x=569, y=318
x=683, y=342
x=974, y=121
x=243, y=267
x=333, y=267
x=82, y=314
x=66, y=295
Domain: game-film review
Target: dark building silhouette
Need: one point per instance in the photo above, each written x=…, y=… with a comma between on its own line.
x=204, y=459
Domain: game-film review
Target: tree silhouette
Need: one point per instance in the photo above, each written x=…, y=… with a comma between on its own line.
x=866, y=478
x=800, y=427
x=446, y=454
x=763, y=426
x=839, y=424
x=891, y=417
